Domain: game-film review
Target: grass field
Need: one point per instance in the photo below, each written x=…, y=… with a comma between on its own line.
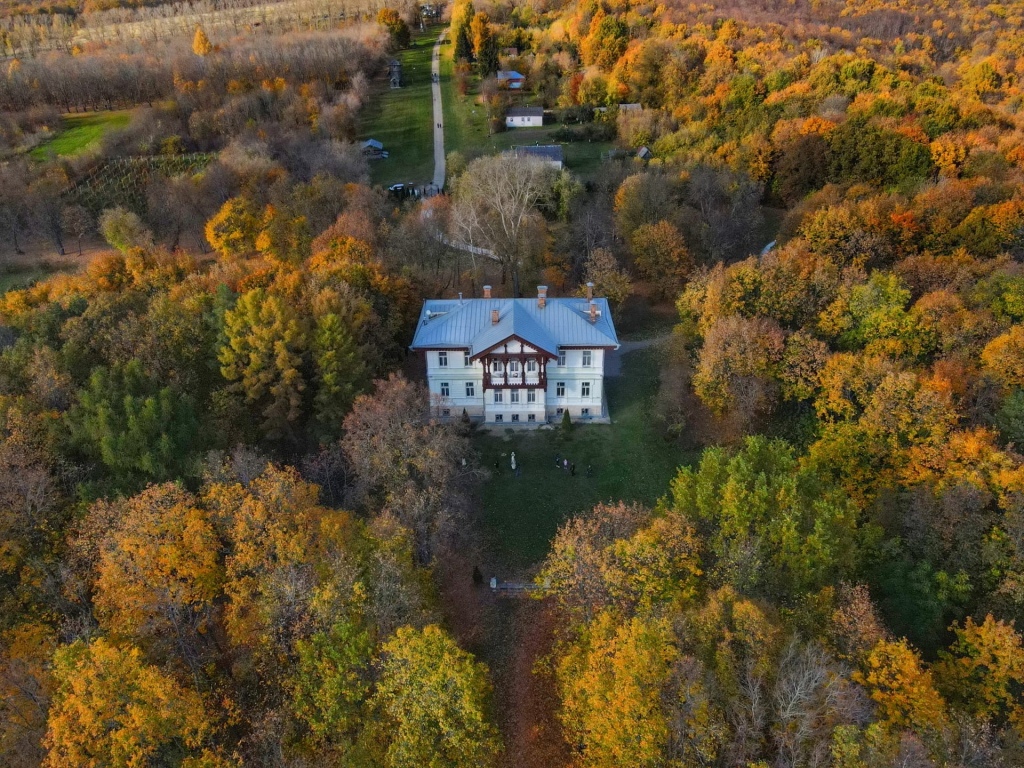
x=631, y=460
x=10, y=281
x=80, y=133
x=402, y=118
x=465, y=128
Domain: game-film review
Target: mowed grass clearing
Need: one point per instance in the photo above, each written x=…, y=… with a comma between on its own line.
x=80, y=133
x=466, y=129
x=631, y=461
x=402, y=119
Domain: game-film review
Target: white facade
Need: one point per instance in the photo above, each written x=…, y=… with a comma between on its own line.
x=456, y=384
x=498, y=377
x=524, y=121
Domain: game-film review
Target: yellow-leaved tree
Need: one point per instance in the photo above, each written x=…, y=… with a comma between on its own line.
x=201, y=45
x=110, y=708
x=902, y=688
x=159, y=571
x=610, y=682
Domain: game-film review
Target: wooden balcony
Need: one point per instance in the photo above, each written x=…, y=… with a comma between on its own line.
x=519, y=380
x=521, y=377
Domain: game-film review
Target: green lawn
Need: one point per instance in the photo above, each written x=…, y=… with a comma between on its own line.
x=402, y=118
x=22, y=278
x=631, y=460
x=465, y=128
x=80, y=133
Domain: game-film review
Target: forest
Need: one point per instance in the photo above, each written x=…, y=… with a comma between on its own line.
x=228, y=514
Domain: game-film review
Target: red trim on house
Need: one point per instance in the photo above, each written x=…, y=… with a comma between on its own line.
x=521, y=340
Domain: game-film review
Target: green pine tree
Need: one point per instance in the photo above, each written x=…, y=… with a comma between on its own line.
x=340, y=372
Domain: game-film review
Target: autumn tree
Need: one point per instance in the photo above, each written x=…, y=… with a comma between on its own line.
x=616, y=557
x=407, y=462
x=611, y=685
x=661, y=256
x=111, y=708
x=201, y=45
x=485, y=44
x=1003, y=357
x=288, y=574
x=462, y=17
x=159, y=573
x=392, y=21
x=642, y=198
x=233, y=230
x=983, y=670
x=738, y=366
x=901, y=687
x=433, y=697
x=609, y=279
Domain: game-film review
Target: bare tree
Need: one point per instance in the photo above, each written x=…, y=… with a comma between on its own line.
x=495, y=208
x=77, y=222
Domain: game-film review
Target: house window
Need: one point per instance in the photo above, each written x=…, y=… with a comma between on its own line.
x=498, y=396
x=561, y=358
x=513, y=366
x=515, y=417
x=470, y=389
x=495, y=367
x=514, y=396
x=445, y=392
x=498, y=417
x=584, y=412
x=560, y=389
x=588, y=357
x=531, y=366
x=446, y=412
x=467, y=361
x=559, y=411
x=531, y=395
x=442, y=359
x=531, y=417
x=585, y=389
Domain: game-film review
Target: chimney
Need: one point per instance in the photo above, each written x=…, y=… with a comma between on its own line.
x=494, y=317
x=542, y=296
x=487, y=291
x=460, y=297
x=590, y=291
x=593, y=311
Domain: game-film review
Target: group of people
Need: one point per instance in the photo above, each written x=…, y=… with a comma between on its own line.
x=569, y=467
x=562, y=463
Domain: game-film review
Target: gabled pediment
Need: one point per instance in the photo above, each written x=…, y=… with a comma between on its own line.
x=528, y=348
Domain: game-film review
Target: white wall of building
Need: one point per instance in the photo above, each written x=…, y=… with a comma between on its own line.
x=524, y=121
x=575, y=375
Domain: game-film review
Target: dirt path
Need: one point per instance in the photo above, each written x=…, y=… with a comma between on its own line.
x=509, y=634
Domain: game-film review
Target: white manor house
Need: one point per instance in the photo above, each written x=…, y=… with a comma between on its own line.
x=517, y=361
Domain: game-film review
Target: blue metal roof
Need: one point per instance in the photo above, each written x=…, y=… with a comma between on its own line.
x=467, y=324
